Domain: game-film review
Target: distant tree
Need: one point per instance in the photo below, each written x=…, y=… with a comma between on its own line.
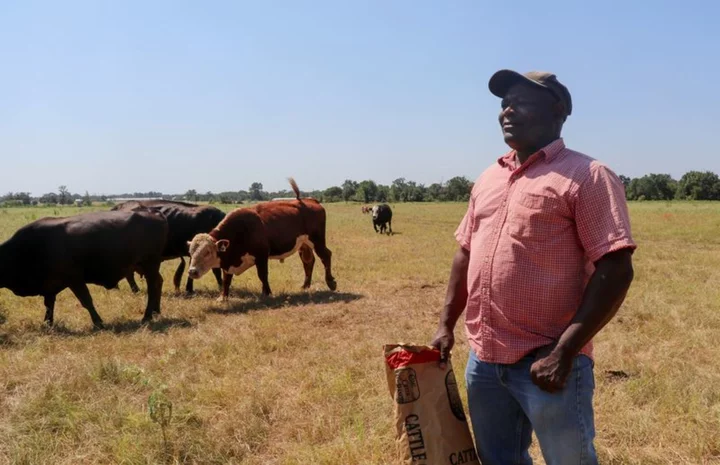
x=436, y=192
x=50, y=198
x=652, y=187
x=17, y=198
x=226, y=197
x=256, y=191
x=64, y=196
x=367, y=191
x=458, y=189
x=625, y=180
x=191, y=195
x=699, y=185
x=86, y=200
x=383, y=193
x=415, y=192
x=349, y=189
x=333, y=194
x=399, y=190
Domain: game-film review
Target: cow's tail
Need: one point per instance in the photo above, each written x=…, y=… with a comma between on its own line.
x=295, y=188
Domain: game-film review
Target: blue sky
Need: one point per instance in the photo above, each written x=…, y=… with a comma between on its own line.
x=124, y=96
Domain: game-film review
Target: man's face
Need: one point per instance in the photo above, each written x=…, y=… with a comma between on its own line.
x=528, y=116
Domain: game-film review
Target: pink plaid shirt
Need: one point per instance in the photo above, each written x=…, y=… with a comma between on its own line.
x=534, y=232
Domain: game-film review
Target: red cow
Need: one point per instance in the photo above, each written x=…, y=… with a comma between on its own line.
x=250, y=237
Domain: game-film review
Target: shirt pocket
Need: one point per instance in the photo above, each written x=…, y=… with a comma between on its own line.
x=536, y=216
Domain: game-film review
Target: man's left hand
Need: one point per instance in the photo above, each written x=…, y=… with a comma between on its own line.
x=551, y=369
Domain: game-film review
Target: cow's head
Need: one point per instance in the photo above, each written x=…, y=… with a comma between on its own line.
x=375, y=211
x=205, y=254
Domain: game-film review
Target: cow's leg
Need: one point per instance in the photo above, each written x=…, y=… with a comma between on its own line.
x=261, y=263
x=154, y=284
x=308, y=259
x=50, y=309
x=177, y=279
x=131, y=281
x=326, y=257
x=225, y=292
x=375, y=226
x=390, y=227
x=82, y=293
x=218, y=277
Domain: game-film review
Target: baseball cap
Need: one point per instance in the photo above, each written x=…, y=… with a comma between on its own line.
x=502, y=80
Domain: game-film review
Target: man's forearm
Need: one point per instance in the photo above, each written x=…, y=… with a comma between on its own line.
x=457, y=294
x=603, y=296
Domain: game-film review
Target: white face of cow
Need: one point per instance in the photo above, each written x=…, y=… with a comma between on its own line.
x=204, y=255
x=375, y=211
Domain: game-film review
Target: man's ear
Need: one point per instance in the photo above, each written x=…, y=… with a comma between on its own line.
x=560, y=110
x=222, y=245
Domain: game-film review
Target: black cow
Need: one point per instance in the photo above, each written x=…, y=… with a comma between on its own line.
x=382, y=216
x=185, y=221
x=51, y=254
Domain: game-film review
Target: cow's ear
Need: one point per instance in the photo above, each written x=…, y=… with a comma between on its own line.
x=189, y=243
x=223, y=245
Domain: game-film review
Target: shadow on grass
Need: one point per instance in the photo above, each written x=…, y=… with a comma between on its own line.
x=283, y=300
x=6, y=341
x=159, y=325
x=213, y=294
x=394, y=233
x=59, y=330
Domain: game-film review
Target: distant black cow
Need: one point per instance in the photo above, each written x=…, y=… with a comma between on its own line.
x=382, y=217
x=185, y=221
x=51, y=254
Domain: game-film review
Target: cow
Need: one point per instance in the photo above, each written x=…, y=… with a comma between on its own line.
x=382, y=216
x=366, y=209
x=250, y=237
x=51, y=254
x=185, y=220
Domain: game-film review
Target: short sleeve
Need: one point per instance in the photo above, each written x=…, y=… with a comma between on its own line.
x=601, y=214
x=463, y=233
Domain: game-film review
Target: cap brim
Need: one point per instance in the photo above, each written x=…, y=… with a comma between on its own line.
x=504, y=79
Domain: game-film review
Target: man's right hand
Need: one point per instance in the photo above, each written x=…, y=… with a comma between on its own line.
x=444, y=341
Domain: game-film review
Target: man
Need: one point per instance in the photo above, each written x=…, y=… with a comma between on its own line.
x=545, y=261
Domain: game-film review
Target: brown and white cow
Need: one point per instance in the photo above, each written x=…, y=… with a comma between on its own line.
x=250, y=237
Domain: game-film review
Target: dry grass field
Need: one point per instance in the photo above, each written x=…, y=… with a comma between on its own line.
x=298, y=378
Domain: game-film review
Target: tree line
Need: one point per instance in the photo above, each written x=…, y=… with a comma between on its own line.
x=693, y=185
x=368, y=191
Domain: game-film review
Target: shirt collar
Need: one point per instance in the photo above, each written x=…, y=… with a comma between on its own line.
x=550, y=151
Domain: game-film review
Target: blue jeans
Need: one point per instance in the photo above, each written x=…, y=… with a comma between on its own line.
x=505, y=407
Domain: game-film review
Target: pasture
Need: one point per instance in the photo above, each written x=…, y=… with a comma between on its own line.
x=298, y=378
